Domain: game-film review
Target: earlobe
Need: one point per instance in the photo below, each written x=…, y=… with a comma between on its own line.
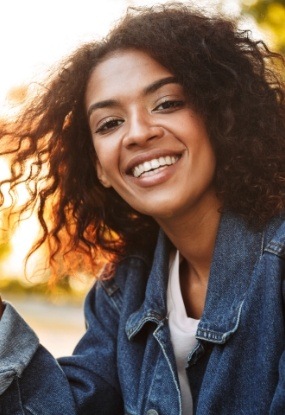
x=101, y=175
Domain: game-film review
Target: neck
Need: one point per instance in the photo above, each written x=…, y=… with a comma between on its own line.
x=194, y=236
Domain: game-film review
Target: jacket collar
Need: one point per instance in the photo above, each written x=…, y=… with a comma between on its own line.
x=237, y=249
x=154, y=307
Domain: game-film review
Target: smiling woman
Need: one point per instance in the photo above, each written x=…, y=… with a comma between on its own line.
x=133, y=128
x=153, y=148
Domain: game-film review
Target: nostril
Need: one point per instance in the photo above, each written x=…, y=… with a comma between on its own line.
x=141, y=133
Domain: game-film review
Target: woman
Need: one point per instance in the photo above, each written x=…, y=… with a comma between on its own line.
x=165, y=147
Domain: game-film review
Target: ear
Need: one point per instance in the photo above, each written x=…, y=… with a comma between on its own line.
x=101, y=175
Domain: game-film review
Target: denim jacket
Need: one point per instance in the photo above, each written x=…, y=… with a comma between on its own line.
x=124, y=364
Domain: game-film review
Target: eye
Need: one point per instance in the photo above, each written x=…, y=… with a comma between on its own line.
x=108, y=125
x=169, y=105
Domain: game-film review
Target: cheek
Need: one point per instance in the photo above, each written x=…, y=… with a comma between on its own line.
x=101, y=153
x=105, y=149
x=208, y=160
x=210, y=167
x=203, y=160
x=107, y=162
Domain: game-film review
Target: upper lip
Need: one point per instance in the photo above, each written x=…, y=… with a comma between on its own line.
x=141, y=158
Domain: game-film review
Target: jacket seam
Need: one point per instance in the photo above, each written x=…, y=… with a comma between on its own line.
x=19, y=395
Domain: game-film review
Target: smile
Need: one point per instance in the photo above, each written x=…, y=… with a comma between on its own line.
x=153, y=165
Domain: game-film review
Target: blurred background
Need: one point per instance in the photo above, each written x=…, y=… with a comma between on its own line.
x=35, y=35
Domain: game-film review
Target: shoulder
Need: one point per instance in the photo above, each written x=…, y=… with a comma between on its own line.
x=117, y=274
x=117, y=281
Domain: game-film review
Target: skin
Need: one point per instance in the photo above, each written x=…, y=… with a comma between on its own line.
x=138, y=112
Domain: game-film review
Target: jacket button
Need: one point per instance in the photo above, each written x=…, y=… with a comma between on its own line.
x=152, y=412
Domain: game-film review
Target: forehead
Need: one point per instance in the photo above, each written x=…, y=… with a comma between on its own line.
x=123, y=72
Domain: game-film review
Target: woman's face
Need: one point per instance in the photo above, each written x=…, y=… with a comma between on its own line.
x=152, y=148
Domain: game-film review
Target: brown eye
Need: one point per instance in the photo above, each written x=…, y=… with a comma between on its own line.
x=169, y=105
x=109, y=125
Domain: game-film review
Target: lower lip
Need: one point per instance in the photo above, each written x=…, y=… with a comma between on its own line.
x=159, y=177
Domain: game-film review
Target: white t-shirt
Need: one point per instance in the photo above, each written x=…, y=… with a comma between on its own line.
x=182, y=330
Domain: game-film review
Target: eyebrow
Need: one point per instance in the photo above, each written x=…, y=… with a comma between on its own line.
x=150, y=89
x=158, y=84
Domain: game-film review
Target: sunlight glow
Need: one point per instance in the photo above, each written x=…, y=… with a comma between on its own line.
x=38, y=34
x=22, y=236
x=21, y=241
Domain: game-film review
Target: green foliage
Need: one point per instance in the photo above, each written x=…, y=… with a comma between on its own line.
x=270, y=16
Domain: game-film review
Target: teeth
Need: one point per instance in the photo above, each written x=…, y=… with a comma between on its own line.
x=154, y=164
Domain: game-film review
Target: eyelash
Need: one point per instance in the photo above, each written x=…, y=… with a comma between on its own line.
x=109, y=125
x=169, y=105
x=112, y=123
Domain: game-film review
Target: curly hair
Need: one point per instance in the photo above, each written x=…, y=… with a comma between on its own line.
x=229, y=78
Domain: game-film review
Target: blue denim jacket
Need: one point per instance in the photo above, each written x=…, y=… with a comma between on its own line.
x=125, y=364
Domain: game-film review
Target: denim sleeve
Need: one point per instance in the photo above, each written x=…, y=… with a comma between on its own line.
x=33, y=382
x=278, y=403
x=18, y=345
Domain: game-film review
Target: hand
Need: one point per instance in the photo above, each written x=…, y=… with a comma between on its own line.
x=2, y=307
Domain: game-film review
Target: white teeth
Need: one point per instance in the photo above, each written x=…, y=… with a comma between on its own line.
x=147, y=166
x=154, y=164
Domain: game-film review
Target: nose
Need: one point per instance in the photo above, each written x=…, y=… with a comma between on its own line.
x=141, y=129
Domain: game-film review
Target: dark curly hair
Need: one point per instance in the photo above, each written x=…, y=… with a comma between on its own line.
x=230, y=79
